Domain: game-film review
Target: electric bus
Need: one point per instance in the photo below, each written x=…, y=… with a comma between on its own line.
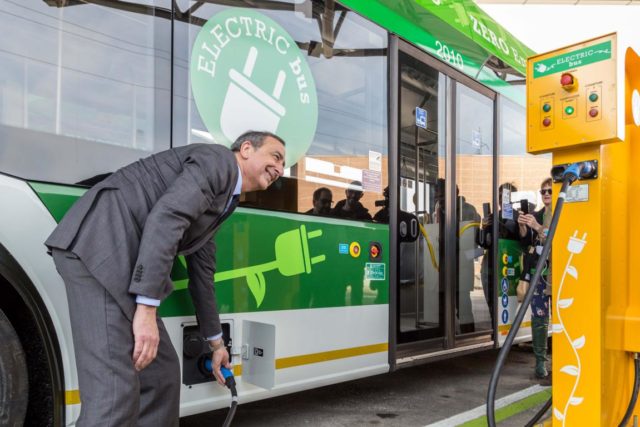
x=403, y=117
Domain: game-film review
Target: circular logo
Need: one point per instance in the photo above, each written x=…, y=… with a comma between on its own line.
x=505, y=316
x=247, y=73
x=354, y=249
x=505, y=300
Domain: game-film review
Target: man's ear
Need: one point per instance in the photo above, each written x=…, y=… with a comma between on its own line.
x=246, y=148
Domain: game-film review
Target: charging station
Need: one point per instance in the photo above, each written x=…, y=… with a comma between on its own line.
x=583, y=105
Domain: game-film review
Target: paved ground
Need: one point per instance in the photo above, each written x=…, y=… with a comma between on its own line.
x=415, y=396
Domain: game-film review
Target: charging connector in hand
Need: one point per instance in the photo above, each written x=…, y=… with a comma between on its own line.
x=230, y=382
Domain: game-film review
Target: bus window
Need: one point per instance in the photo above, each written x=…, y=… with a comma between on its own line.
x=347, y=58
x=84, y=90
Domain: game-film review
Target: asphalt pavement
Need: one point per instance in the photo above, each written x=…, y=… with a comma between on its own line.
x=415, y=396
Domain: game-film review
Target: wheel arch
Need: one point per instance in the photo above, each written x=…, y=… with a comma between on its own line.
x=28, y=313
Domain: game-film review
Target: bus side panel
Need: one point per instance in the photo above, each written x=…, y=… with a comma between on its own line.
x=314, y=279
x=24, y=226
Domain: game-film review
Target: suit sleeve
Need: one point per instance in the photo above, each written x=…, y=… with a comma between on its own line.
x=201, y=266
x=186, y=199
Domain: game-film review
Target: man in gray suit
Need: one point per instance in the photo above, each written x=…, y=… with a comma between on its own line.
x=115, y=249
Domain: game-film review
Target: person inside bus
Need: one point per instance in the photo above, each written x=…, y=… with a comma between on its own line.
x=115, y=249
x=467, y=215
x=322, y=201
x=350, y=207
x=507, y=230
x=533, y=229
x=382, y=216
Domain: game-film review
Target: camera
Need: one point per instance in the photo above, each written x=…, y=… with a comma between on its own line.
x=385, y=202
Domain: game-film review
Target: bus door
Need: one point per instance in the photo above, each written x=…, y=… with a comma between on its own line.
x=420, y=285
x=474, y=165
x=445, y=164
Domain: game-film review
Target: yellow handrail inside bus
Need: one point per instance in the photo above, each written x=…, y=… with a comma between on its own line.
x=466, y=227
x=430, y=246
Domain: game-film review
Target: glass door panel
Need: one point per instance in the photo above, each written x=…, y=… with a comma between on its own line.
x=474, y=128
x=421, y=296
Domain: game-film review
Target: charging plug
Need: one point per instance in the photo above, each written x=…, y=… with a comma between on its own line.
x=579, y=170
x=229, y=379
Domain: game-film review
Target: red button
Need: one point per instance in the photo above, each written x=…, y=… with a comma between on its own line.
x=566, y=80
x=546, y=122
x=593, y=112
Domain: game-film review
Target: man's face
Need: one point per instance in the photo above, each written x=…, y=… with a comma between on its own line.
x=261, y=167
x=353, y=196
x=323, y=204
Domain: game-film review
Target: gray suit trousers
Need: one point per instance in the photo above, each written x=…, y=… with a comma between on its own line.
x=112, y=392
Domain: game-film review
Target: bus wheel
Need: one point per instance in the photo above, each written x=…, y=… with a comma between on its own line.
x=14, y=387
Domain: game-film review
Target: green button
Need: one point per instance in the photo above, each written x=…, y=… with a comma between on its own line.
x=569, y=110
x=593, y=97
x=546, y=108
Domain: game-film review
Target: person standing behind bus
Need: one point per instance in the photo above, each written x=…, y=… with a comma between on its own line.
x=350, y=207
x=115, y=249
x=322, y=201
x=533, y=230
x=507, y=230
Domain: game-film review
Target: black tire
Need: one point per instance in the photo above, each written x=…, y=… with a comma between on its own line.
x=14, y=383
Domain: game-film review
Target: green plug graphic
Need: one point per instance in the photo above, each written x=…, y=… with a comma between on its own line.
x=292, y=258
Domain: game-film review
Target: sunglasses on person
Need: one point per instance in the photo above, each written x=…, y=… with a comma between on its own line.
x=545, y=191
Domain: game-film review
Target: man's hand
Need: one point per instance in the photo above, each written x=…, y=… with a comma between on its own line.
x=145, y=333
x=487, y=220
x=220, y=357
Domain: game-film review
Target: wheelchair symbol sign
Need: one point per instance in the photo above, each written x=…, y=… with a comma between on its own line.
x=504, y=284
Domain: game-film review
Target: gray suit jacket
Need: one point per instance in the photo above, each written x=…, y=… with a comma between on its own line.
x=129, y=228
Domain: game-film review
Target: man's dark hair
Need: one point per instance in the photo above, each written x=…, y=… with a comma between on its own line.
x=255, y=138
x=318, y=193
x=508, y=185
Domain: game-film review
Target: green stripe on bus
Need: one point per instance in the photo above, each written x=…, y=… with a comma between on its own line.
x=275, y=260
x=57, y=198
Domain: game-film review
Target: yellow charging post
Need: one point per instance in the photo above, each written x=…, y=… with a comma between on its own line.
x=583, y=104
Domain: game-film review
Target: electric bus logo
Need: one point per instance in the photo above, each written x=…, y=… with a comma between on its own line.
x=248, y=73
x=293, y=257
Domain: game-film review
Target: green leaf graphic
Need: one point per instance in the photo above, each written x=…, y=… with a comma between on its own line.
x=257, y=286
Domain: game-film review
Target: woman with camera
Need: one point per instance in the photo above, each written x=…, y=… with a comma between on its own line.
x=533, y=229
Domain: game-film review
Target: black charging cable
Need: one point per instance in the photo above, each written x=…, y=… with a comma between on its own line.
x=634, y=394
x=532, y=422
x=230, y=382
x=570, y=175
